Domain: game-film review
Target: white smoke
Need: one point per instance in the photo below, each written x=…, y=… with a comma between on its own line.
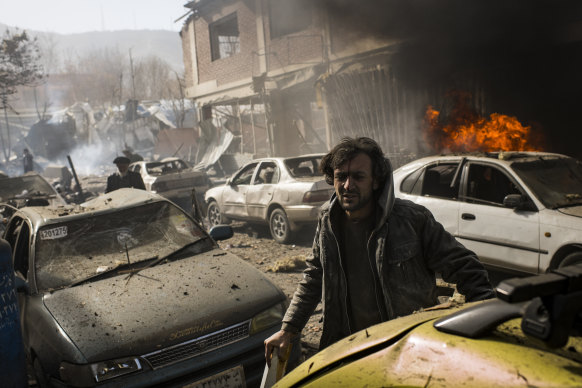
x=92, y=159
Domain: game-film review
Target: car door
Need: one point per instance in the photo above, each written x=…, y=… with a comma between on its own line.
x=18, y=236
x=502, y=237
x=235, y=192
x=431, y=187
x=260, y=192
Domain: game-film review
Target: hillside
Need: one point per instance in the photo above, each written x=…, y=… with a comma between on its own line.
x=164, y=44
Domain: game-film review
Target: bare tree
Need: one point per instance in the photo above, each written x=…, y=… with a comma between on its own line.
x=50, y=62
x=176, y=92
x=152, y=75
x=95, y=76
x=19, y=66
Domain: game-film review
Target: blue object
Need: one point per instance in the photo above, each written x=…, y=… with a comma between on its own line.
x=12, y=357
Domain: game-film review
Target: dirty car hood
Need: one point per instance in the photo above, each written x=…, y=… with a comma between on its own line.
x=409, y=351
x=161, y=306
x=572, y=211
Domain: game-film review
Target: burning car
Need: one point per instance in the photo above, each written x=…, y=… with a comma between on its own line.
x=284, y=193
x=174, y=179
x=127, y=290
x=521, y=212
x=529, y=336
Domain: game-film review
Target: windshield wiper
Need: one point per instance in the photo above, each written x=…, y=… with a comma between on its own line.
x=109, y=272
x=137, y=266
x=163, y=258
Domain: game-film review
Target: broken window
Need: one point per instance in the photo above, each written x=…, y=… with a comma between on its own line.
x=289, y=16
x=268, y=174
x=74, y=250
x=224, y=37
x=302, y=167
x=245, y=176
x=437, y=179
x=488, y=185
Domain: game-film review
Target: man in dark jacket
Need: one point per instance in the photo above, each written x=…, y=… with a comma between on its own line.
x=124, y=177
x=375, y=257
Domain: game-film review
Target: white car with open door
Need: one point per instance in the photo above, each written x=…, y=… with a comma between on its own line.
x=521, y=212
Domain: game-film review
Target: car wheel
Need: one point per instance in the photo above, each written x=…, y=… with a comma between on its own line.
x=39, y=375
x=280, y=226
x=215, y=217
x=571, y=259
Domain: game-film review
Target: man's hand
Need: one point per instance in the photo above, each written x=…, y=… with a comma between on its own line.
x=281, y=340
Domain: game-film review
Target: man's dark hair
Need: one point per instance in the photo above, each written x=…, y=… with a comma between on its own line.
x=347, y=149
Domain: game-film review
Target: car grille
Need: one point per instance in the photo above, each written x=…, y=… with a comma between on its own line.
x=198, y=345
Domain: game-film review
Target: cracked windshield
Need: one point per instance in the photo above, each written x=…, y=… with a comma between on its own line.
x=70, y=252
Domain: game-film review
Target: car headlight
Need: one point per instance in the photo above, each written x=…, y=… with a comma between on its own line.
x=267, y=318
x=88, y=375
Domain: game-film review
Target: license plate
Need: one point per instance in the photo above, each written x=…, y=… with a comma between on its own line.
x=230, y=378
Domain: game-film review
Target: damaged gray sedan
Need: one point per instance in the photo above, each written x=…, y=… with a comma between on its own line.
x=127, y=290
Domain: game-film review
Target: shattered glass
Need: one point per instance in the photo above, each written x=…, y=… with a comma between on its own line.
x=168, y=167
x=555, y=181
x=70, y=252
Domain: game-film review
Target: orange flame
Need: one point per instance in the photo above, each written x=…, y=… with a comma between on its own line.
x=468, y=132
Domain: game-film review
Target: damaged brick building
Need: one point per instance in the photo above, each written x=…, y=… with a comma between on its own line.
x=289, y=77
x=277, y=75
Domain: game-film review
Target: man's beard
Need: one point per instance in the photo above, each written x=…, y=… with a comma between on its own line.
x=353, y=206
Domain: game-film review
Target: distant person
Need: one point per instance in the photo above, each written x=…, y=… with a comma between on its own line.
x=27, y=161
x=124, y=178
x=133, y=156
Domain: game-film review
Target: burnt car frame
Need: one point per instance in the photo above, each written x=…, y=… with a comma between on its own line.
x=127, y=290
x=284, y=193
x=174, y=179
x=29, y=190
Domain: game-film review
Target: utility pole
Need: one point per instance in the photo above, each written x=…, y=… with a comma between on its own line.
x=132, y=75
x=120, y=89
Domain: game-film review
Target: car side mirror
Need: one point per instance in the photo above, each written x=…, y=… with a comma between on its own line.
x=221, y=232
x=518, y=202
x=512, y=200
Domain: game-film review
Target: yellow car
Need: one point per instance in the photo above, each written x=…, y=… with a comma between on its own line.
x=528, y=337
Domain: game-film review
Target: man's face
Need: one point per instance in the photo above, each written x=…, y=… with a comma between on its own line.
x=122, y=167
x=354, y=183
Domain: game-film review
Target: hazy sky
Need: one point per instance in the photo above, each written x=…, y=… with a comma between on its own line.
x=74, y=16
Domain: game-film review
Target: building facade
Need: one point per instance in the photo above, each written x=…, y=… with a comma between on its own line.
x=287, y=79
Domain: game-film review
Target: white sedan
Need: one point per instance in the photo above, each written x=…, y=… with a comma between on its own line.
x=284, y=193
x=520, y=212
